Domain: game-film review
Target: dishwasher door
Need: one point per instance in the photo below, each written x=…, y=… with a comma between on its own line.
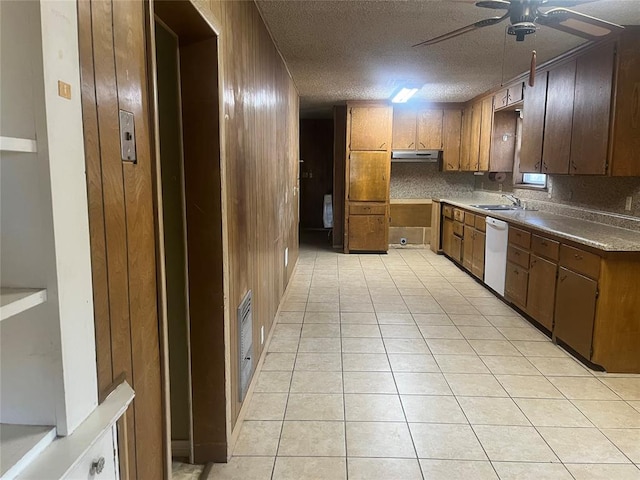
x=495, y=254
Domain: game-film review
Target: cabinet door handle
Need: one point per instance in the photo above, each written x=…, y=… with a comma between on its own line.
x=383, y=144
x=563, y=278
x=410, y=145
x=533, y=262
x=536, y=166
x=573, y=165
x=544, y=244
x=577, y=256
x=517, y=253
x=423, y=145
x=516, y=272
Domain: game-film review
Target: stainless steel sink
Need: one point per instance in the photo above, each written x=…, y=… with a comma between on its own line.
x=497, y=207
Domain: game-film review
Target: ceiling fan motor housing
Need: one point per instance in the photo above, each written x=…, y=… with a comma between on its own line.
x=523, y=15
x=521, y=29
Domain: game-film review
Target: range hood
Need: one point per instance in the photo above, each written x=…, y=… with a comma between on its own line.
x=415, y=156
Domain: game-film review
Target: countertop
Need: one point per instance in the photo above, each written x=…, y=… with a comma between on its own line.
x=592, y=234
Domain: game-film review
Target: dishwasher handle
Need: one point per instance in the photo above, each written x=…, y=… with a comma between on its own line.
x=497, y=224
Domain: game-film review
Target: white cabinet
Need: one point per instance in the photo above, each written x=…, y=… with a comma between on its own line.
x=100, y=462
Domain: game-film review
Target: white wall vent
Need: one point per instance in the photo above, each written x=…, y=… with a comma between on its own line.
x=245, y=344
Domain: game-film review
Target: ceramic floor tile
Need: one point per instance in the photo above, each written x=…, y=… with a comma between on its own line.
x=495, y=309
x=395, y=318
x=369, y=382
x=406, y=345
x=492, y=411
x=379, y=439
x=319, y=362
x=528, y=334
x=323, y=297
x=528, y=386
x=432, y=409
x=604, y=472
x=460, y=309
x=514, y=444
x=242, y=468
x=446, y=441
x=539, y=349
x=279, y=361
x=365, y=362
x=474, y=385
x=290, y=317
x=258, y=438
x=362, y=345
x=359, y=317
x=321, y=317
x=609, y=414
x=564, y=367
x=475, y=320
x=267, y=406
x=507, y=321
x=422, y=384
x=494, y=347
x=480, y=333
x=283, y=344
x=508, y=365
x=440, y=331
x=635, y=405
x=581, y=445
x=384, y=468
x=531, y=471
x=287, y=330
x=319, y=345
x=273, y=382
x=544, y=412
x=353, y=307
x=627, y=388
x=461, y=364
x=315, y=406
x=309, y=468
x=444, y=346
x=457, y=469
x=185, y=471
x=432, y=319
x=400, y=331
x=293, y=306
x=627, y=440
x=321, y=330
x=373, y=408
x=583, y=388
x=363, y=331
x=412, y=363
x=316, y=382
x=312, y=439
x=390, y=308
x=323, y=306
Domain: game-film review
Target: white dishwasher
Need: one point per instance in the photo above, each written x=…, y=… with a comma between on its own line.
x=495, y=254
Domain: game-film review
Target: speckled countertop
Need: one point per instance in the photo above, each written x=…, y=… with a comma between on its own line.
x=596, y=235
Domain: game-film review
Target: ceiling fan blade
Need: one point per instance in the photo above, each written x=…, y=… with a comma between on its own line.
x=564, y=3
x=578, y=24
x=460, y=31
x=495, y=4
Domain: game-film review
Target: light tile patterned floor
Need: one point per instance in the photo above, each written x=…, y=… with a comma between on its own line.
x=401, y=366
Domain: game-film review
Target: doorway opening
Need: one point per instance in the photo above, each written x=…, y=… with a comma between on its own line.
x=190, y=224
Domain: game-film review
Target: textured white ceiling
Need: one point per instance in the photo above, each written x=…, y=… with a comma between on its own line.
x=361, y=50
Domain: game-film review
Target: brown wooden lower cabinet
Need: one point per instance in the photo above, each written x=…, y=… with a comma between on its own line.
x=467, y=255
x=477, y=266
x=575, y=310
x=541, y=292
x=456, y=248
x=516, y=283
x=368, y=233
x=447, y=236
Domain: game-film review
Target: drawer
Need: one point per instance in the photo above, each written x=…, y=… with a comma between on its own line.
x=447, y=211
x=545, y=248
x=367, y=209
x=480, y=223
x=518, y=256
x=458, y=215
x=101, y=453
x=469, y=219
x=580, y=261
x=458, y=229
x=519, y=238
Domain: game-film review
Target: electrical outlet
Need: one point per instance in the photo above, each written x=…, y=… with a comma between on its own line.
x=286, y=256
x=550, y=191
x=499, y=187
x=629, y=202
x=262, y=335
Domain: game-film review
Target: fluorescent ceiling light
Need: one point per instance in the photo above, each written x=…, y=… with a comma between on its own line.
x=404, y=94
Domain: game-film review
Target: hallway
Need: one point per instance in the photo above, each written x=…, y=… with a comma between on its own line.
x=401, y=366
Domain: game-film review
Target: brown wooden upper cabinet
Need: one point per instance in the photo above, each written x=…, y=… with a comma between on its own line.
x=451, y=140
x=369, y=128
x=508, y=97
x=591, y=113
x=417, y=128
x=476, y=136
x=486, y=128
x=369, y=176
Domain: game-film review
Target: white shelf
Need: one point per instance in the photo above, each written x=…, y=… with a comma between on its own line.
x=23, y=145
x=16, y=300
x=20, y=445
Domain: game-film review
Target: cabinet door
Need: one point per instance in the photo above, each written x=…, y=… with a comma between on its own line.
x=516, y=282
x=541, y=292
x=591, y=110
x=456, y=248
x=467, y=254
x=477, y=267
x=516, y=93
x=501, y=99
x=486, y=131
x=451, y=139
x=370, y=128
x=503, y=145
x=430, y=129
x=465, y=140
x=535, y=99
x=369, y=176
x=368, y=233
x=404, y=129
x=556, y=148
x=474, y=145
x=447, y=235
x=575, y=310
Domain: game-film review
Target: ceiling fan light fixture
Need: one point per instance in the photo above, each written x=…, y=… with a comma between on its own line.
x=404, y=94
x=521, y=30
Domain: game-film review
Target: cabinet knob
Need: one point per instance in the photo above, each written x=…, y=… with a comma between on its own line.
x=577, y=256
x=544, y=244
x=97, y=466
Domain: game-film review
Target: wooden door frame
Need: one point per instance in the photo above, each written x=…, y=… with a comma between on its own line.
x=191, y=25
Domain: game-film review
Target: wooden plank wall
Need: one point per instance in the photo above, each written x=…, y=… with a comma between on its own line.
x=261, y=163
x=121, y=220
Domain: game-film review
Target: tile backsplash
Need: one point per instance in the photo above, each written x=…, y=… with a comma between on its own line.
x=423, y=180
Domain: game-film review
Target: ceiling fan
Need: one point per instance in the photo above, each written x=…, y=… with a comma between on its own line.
x=525, y=16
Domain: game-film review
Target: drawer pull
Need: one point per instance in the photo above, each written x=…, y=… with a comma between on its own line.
x=517, y=253
x=544, y=244
x=97, y=466
x=577, y=257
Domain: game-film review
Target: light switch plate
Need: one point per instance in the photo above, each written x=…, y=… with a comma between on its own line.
x=127, y=137
x=628, y=203
x=64, y=90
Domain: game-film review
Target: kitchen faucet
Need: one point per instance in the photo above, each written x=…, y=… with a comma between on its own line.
x=515, y=200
